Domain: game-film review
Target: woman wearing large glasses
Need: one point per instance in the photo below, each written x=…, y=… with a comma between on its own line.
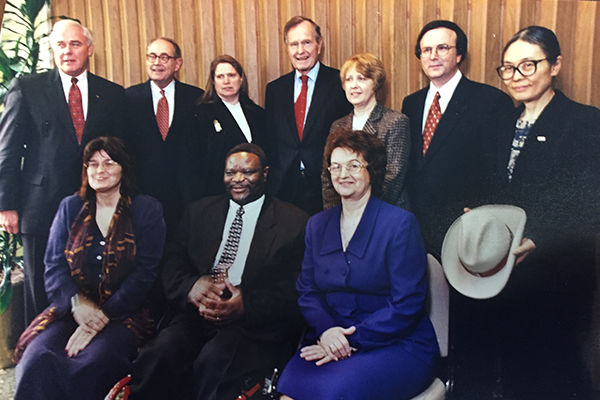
x=362, y=288
x=102, y=258
x=548, y=163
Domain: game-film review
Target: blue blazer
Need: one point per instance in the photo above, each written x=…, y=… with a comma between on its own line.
x=379, y=284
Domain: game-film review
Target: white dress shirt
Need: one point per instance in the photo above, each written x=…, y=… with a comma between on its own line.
x=249, y=220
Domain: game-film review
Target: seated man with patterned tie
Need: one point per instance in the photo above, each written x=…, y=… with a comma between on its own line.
x=230, y=273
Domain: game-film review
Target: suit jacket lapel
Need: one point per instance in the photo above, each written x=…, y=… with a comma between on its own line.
x=58, y=105
x=228, y=122
x=373, y=120
x=182, y=107
x=94, y=103
x=262, y=241
x=288, y=104
x=458, y=104
x=416, y=139
x=214, y=234
x=319, y=96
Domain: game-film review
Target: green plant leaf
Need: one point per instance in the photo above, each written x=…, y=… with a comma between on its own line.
x=5, y=291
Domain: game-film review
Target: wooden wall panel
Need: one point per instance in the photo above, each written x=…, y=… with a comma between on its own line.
x=251, y=31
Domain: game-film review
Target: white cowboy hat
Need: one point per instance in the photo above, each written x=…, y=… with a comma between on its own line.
x=477, y=251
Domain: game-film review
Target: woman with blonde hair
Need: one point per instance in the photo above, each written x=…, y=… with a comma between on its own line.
x=363, y=76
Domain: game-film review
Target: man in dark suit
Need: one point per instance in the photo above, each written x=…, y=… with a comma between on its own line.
x=161, y=115
x=300, y=112
x=233, y=324
x=446, y=170
x=47, y=120
x=451, y=141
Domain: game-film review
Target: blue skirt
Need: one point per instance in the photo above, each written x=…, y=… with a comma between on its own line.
x=45, y=372
x=385, y=373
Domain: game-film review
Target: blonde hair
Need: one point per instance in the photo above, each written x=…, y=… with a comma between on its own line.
x=369, y=66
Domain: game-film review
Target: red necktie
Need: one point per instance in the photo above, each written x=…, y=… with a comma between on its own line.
x=300, y=106
x=433, y=117
x=76, y=109
x=162, y=115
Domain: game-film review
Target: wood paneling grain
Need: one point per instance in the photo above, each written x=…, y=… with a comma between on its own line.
x=251, y=31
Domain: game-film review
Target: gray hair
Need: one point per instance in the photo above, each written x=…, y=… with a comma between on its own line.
x=68, y=23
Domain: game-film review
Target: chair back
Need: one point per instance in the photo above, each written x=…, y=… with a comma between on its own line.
x=438, y=302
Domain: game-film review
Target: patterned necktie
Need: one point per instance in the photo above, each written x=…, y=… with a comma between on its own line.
x=300, y=106
x=162, y=115
x=233, y=240
x=433, y=117
x=76, y=109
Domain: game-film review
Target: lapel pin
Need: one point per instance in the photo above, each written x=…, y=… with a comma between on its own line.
x=217, y=125
x=541, y=138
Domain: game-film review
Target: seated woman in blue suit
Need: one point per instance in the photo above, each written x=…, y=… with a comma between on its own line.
x=362, y=288
x=102, y=258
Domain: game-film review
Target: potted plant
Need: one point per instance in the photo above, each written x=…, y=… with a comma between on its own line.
x=21, y=54
x=11, y=296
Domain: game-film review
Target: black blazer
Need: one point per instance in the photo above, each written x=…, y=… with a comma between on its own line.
x=328, y=104
x=556, y=180
x=452, y=174
x=36, y=125
x=222, y=133
x=272, y=267
x=166, y=169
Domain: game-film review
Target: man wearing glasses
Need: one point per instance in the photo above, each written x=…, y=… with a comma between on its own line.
x=450, y=122
x=161, y=116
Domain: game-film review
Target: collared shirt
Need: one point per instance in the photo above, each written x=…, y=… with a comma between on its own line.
x=82, y=84
x=446, y=93
x=240, y=118
x=249, y=220
x=312, y=79
x=169, y=94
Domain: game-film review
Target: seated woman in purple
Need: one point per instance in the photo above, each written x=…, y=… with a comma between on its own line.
x=362, y=288
x=102, y=258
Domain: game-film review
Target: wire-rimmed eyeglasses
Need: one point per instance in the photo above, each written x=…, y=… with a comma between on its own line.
x=353, y=168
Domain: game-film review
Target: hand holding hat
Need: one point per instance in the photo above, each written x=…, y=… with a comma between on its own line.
x=478, y=250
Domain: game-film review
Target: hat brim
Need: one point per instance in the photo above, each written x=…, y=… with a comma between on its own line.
x=475, y=286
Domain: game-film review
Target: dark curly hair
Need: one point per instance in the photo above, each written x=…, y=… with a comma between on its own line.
x=367, y=145
x=116, y=150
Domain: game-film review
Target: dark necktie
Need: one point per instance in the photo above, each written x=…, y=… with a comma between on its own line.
x=433, y=117
x=232, y=243
x=76, y=109
x=300, y=106
x=162, y=115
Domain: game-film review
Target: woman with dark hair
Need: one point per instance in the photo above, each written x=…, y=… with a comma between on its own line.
x=363, y=76
x=102, y=258
x=547, y=163
x=362, y=288
x=227, y=117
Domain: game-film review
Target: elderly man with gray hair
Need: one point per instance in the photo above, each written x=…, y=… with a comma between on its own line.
x=47, y=121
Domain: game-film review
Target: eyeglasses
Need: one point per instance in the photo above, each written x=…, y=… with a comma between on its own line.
x=163, y=58
x=525, y=68
x=353, y=168
x=441, y=50
x=106, y=165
